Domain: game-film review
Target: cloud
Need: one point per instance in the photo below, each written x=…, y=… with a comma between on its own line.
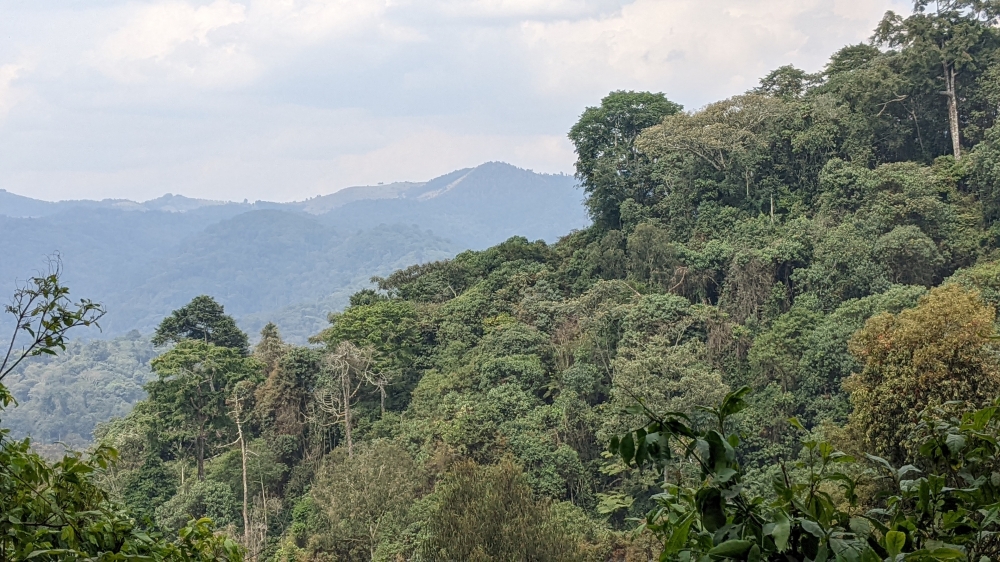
x=507, y=9
x=693, y=49
x=9, y=96
x=176, y=41
x=278, y=99
x=228, y=43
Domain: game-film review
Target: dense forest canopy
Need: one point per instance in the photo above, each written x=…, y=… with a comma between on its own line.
x=775, y=342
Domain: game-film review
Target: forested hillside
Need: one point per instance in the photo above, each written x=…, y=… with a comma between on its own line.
x=293, y=262
x=776, y=341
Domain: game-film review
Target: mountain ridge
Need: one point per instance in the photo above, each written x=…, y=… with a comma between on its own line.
x=22, y=206
x=264, y=260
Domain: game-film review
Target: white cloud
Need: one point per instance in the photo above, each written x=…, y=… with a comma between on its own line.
x=505, y=9
x=176, y=41
x=156, y=31
x=694, y=49
x=9, y=96
x=279, y=99
x=228, y=43
x=310, y=21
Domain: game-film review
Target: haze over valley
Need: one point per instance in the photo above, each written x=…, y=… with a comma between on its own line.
x=291, y=263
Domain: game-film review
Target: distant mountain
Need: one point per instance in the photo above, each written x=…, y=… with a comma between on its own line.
x=326, y=203
x=13, y=205
x=478, y=207
x=290, y=262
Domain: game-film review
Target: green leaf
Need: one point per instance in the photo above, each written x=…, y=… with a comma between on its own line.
x=954, y=442
x=782, y=530
x=712, y=507
x=947, y=554
x=895, y=541
x=679, y=536
x=813, y=528
x=731, y=548
x=627, y=448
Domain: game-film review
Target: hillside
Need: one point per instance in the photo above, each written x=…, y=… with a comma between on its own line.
x=777, y=340
x=264, y=259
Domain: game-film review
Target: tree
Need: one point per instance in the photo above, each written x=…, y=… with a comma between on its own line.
x=57, y=511
x=388, y=329
x=488, y=514
x=271, y=348
x=194, y=380
x=933, y=354
x=241, y=393
x=201, y=319
x=347, y=369
x=43, y=314
x=366, y=496
x=282, y=401
x=609, y=164
x=727, y=135
x=950, y=38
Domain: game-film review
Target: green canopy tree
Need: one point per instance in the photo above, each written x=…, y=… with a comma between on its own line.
x=923, y=357
x=194, y=380
x=949, y=38
x=610, y=166
x=201, y=319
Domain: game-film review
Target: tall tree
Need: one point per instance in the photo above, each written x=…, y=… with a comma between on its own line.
x=727, y=135
x=611, y=168
x=949, y=37
x=347, y=369
x=201, y=319
x=194, y=380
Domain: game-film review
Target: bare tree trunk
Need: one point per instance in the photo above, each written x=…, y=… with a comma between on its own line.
x=246, y=495
x=949, y=79
x=346, y=385
x=263, y=499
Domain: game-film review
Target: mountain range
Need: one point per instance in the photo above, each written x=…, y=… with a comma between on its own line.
x=292, y=263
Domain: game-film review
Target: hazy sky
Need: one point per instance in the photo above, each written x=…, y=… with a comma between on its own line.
x=286, y=99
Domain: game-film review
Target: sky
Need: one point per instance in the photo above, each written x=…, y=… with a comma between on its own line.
x=283, y=100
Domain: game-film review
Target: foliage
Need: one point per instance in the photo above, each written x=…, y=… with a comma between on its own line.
x=363, y=497
x=930, y=355
x=944, y=510
x=62, y=398
x=817, y=243
x=201, y=319
x=58, y=511
x=194, y=380
x=488, y=513
x=609, y=165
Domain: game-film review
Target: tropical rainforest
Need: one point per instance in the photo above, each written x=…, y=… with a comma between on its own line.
x=776, y=341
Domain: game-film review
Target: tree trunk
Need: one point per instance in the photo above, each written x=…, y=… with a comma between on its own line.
x=346, y=385
x=200, y=453
x=246, y=517
x=949, y=79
